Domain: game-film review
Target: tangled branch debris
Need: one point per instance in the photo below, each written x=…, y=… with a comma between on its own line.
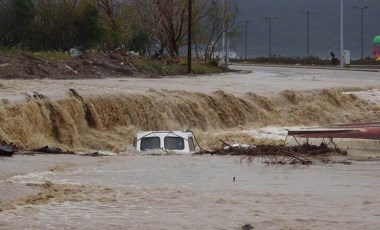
x=275, y=154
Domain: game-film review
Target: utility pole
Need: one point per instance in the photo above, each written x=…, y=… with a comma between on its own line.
x=226, y=40
x=308, y=13
x=362, y=27
x=189, y=56
x=246, y=39
x=270, y=34
x=224, y=35
x=341, y=35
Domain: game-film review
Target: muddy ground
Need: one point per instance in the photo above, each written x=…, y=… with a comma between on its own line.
x=88, y=65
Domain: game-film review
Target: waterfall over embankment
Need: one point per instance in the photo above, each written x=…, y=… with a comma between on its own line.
x=110, y=121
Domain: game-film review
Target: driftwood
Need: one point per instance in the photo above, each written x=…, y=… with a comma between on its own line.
x=5, y=64
x=47, y=149
x=274, y=154
x=71, y=69
x=35, y=58
x=125, y=70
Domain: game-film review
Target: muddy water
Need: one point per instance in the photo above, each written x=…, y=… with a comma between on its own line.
x=109, y=122
x=197, y=192
x=182, y=192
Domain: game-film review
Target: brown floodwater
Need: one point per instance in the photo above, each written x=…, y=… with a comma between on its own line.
x=189, y=192
x=184, y=192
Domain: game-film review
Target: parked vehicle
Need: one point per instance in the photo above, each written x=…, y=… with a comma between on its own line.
x=180, y=142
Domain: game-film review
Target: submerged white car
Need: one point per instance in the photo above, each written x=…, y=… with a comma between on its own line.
x=180, y=142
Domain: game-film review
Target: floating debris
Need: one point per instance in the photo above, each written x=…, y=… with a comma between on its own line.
x=35, y=95
x=247, y=227
x=97, y=154
x=43, y=150
x=47, y=149
x=7, y=150
x=275, y=154
x=56, y=150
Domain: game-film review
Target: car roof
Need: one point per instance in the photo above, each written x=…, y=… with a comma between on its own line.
x=183, y=134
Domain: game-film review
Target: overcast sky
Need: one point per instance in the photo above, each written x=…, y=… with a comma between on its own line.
x=289, y=30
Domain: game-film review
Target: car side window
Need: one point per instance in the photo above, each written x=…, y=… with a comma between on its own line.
x=174, y=143
x=150, y=143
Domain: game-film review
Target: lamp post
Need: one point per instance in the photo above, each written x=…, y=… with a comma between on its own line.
x=308, y=13
x=189, y=38
x=362, y=26
x=246, y=39
x=270, y=34
x=341, y=35
x=224, y=36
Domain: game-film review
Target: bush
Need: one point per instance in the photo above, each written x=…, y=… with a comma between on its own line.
x=62, y=25
x=168, y=67
x=15, y=19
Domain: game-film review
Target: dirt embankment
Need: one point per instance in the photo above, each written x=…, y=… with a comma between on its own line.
x=88, y=65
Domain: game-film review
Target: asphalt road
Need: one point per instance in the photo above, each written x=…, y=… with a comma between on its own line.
x=262, y=80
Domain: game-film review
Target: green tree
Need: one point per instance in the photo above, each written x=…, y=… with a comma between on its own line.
x=15, y=18
x=90, y=32
x=113, y=22
x=54, y=26
x=64, y=24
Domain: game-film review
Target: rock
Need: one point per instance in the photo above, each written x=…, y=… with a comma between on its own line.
x=247, y=227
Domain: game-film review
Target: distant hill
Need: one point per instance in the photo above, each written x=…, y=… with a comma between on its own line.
x=289, y=30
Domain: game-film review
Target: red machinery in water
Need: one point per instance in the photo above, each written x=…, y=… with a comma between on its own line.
x=369, y=131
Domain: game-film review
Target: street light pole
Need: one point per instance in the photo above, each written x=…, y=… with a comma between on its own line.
x=308, y=13
x=341, y=35
x=246, y=39
x=189, y=56
x=362, y=27
x=270, y=34
x=224, y=36
x=308, y=33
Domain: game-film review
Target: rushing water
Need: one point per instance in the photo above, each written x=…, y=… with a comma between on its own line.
x=198, y=192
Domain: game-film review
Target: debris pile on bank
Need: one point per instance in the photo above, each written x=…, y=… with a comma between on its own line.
x=88, y=65
x=276, y=154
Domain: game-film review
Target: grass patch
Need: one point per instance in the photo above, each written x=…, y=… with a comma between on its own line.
x=201, y=68
x=47, y=55
x=53, y=55
x=11, y=51
x=170, y=67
